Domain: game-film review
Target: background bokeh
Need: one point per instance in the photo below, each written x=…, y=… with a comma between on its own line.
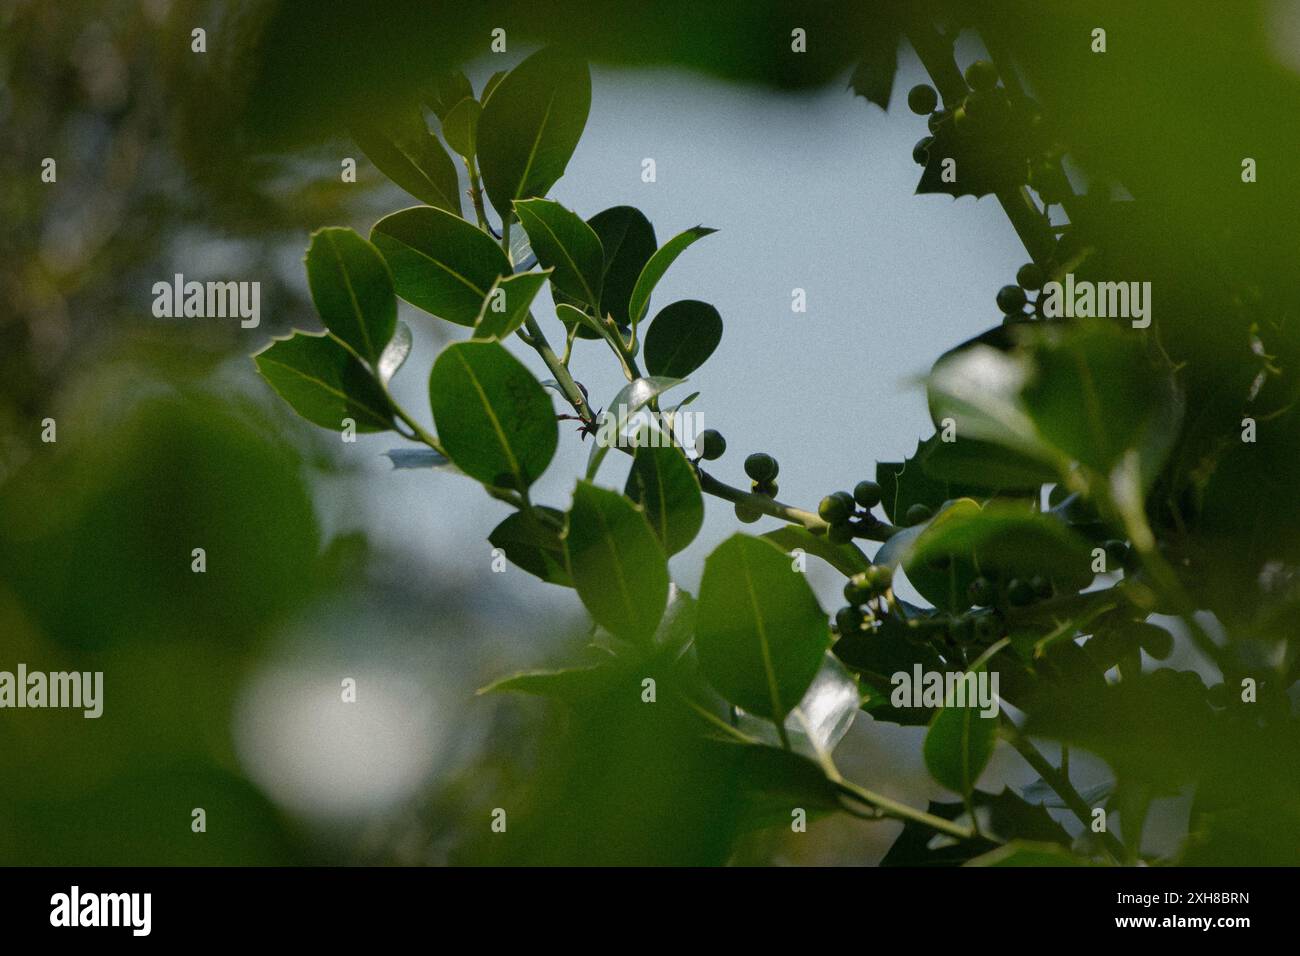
x=324, y=563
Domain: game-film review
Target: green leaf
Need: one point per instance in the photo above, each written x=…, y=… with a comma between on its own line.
x=982, y=464
x=958, y=746
x=1004, y=537
x=533, y=545
x=530, y=126
x=944, y=584
x=494, y=419
x=571, y=316
x=629, y=241
x=324, y=382
x=491, y=84
x=505, y=307
x=612, y=429
x=395, y=353
x=873, y=77
x=407, y=153
x=908, y=483
x=681, y=338
x=1028, y=853
x=823, y=717
x=663, y=483
x=446, y=91
x=845, y=558
x=617, y=565
x=760, y=633
x=460, y=126
x=573, y=685
x=440, y=263
x=568, y=245
x=353, y=290
x=654, y=270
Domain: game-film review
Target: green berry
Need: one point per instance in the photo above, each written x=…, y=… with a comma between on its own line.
x=1011, y=298
x=921, y=151
x=857, y=590
x=987, y=628
x=916, y=514
x=1116, y=554
x=1020, y=592
x=836, y=508
x=747, y=513
x=880, y=577
x=922, y=99
x=982, y=592
x=1030, y=276
x=840, y=533
x=982, y=75
x=1042, y=587
x=936, y=120
x=768, y=488
x=848, y=620
x=711, y=445
x=761, y=467
x=867, y=494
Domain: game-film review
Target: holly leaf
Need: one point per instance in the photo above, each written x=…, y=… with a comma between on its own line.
x=324, y=383
x=655, y=268
x=406, y=152
x=352, y=290
x=663, y=483
x=681, y=338
x=566, y=244
x=534, y=545
x=505, y=307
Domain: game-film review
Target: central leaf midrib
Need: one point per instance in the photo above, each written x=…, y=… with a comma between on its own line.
x=492, y=417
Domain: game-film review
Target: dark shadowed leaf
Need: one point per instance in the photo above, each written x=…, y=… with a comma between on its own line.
x=958, y=746
x=460, y=126
x=845, y=558
x=533, y=544
x=408, y=154
x=682, y=337
x=494, y=419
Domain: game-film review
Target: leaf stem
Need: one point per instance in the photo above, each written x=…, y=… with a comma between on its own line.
x=877, y=531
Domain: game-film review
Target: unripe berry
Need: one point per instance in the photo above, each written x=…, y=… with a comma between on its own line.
x=848, y=620
x=982, y=75
x=1011, y=299
x=836, y=508
x=936, y=119
x=1020, y=593
x=982, y=592
x=922, y=99
x=1030, y=276
x=867, y=494
x=747, y=513
x=711, y=445
x=880, y=577
x=916, y=514
x=1042, y=587
x=857, y=590
x=761, y=466
x=768, y=488
x=921, y=151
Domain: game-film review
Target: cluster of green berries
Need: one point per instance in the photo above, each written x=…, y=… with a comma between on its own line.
x=986, y=104
x=840, y=510
x=1017, y=592
x=1013, y=299
x=859, y=590
x=762, y=470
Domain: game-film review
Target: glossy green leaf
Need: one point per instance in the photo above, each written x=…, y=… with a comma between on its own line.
x=981, y=464
x=823, y=717
x=534, y=544
x=530, y=126
x=958, y=746
x=573, y=685
x=325, y=383
x=505, y=307
x=440, y=263
x=628, y=241
x=845, y=558
x=663, y=482
x=407, y=153
x=618, y=422
x=395, y=352
x=942, y=582
x=493, y=417
x=353, y=290
x=654, y=269
x=760, y=633
x=460, y=126
x=681, y=338
x=617, y=564
x=566, y=244
x=490, y=85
